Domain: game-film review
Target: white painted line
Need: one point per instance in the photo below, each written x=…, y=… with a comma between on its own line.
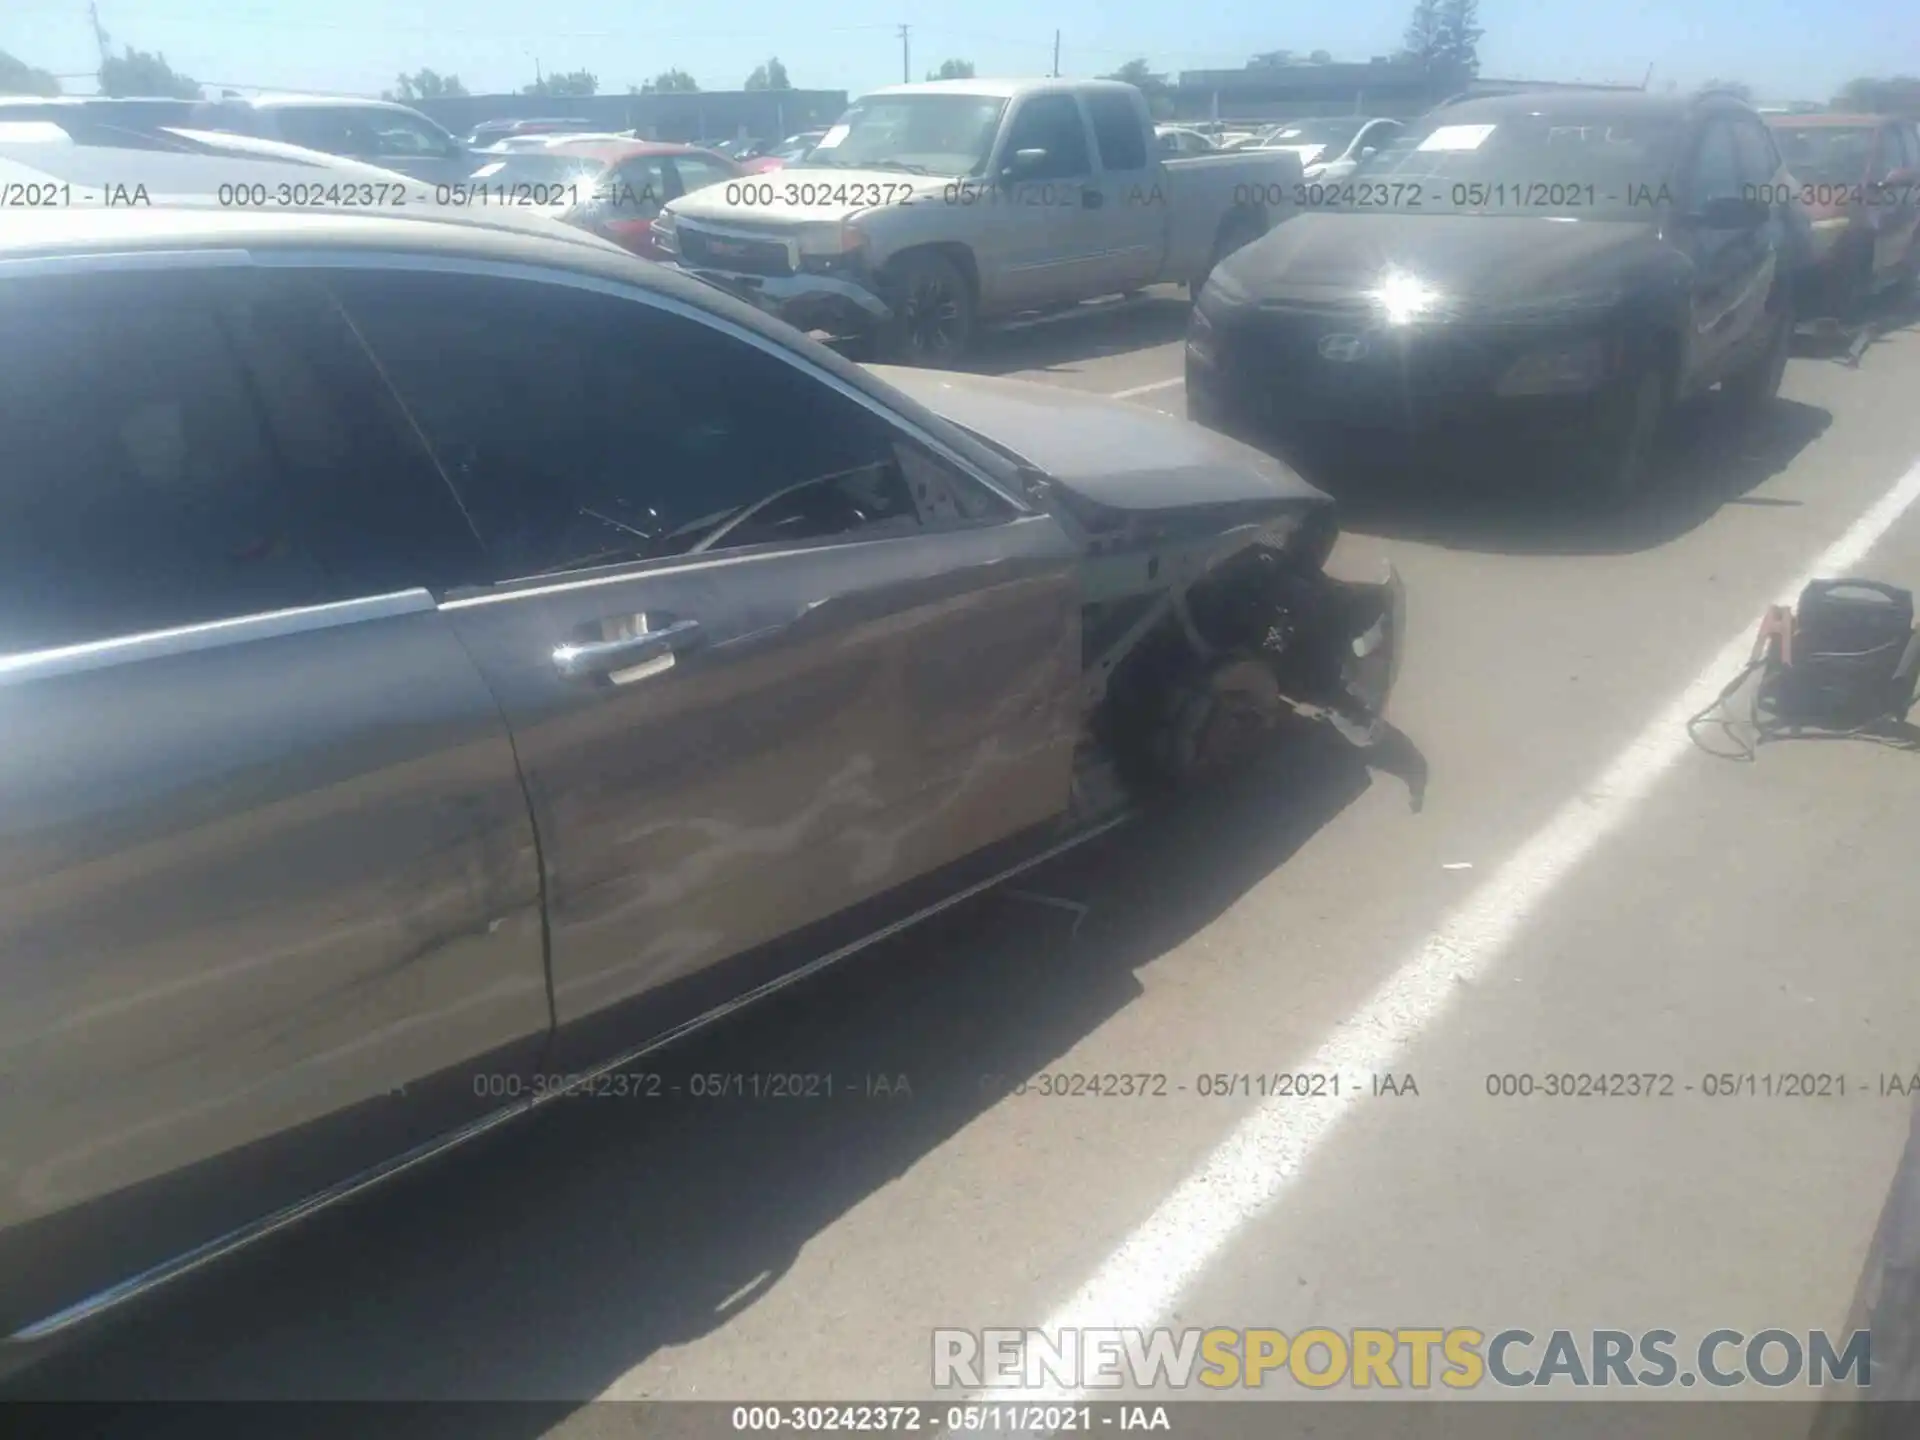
x=1140, y=1282
x=1146, y=389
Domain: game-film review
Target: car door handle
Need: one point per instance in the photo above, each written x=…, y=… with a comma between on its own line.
x=1093, y=199
x=619, y=658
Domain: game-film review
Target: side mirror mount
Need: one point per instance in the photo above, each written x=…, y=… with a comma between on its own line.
x=1024, y=162
x=1733, y=212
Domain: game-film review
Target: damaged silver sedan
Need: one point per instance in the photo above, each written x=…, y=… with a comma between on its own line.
x=444, y=661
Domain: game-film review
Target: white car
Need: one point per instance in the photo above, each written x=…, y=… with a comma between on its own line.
x=1330, y=147
x=1182, y=140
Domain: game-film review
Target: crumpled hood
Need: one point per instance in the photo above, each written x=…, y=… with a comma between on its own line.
x=817, y=195
x=1118, y=456
x=1487, y=261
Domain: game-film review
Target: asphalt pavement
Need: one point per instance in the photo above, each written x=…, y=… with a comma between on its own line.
x=1540, y=877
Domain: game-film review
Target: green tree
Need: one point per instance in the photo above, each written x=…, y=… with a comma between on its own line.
x=142, y=72
x=668, y=82
x=1150, y=83
x=770, y=76
x=19, y=78
x=574, y=82
x=1443, y=39
x=952, y=70
x=424, y=85
x=1460, y=36
x=1425, y=41
x=1895, y=95
x=1320, y=57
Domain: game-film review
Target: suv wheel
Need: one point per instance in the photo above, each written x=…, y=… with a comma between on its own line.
x=933, y=311
x=1757, y=382
x=1627, y=426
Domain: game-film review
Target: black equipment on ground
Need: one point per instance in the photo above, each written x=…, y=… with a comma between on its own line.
x=1843, y=662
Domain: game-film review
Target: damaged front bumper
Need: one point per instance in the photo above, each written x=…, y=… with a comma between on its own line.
x=835, y=306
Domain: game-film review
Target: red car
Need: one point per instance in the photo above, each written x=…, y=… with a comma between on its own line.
x=1857, y=178
x=613, y=188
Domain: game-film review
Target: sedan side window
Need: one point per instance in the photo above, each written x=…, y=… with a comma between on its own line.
x=1716, y=165
x=583, y=429
x=177, y=448
x=696, y=172
x=1051, y=123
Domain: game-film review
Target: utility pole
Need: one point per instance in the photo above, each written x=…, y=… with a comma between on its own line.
x=1056, y=54
x=100, y=34
x=906, y=65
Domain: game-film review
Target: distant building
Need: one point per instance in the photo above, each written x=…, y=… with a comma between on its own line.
x=1381, y=86
x=688, y=116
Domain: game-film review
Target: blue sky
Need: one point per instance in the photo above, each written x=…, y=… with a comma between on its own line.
x=1786, y=49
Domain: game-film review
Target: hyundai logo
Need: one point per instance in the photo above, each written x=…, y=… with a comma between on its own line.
x=1343, y=348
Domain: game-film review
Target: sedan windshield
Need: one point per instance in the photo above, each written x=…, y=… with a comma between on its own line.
x=1333, y=134
x=1827, y=154
x=929, y=134
x=1610, y=167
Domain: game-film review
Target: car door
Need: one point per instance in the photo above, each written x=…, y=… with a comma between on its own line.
x=1044, y=219
x=767, y=654
x=269, y=901
x=1889, y=211
x=1130, y=224
x=1731, y=266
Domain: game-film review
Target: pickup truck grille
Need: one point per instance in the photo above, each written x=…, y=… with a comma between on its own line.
x=733, y=252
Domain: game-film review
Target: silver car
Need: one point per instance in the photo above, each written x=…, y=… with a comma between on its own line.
x=442, y=660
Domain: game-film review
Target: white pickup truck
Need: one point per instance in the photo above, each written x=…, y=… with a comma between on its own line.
x=929, y=210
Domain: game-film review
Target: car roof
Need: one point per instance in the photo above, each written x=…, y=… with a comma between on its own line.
x=324, y=102
x=179, y=162
x=1825, y=120
x=998, y=89
x=615, y=150
x=1598, y=104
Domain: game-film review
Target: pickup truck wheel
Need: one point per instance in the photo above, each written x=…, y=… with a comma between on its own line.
x=1237, y=231
x=932, y=306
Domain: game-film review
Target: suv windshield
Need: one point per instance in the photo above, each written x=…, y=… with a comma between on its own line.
x=935, y=134
x=1830, y=154
x=1610, y=167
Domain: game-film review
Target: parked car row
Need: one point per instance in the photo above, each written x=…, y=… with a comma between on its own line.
x=444, y=658
x=1544, y=275
x=932, y=210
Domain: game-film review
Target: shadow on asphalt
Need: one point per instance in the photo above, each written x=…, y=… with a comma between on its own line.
x=1706, y=462
x=1061, y=346
x=553, y=1258
x=1849, y=345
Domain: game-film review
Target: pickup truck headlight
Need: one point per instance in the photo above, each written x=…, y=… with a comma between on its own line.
x=832, y=249
x=1564, y=369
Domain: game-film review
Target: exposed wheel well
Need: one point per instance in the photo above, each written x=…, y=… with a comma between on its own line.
x=962, y=258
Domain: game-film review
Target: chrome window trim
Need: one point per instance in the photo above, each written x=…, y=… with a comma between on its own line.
x=30, y=665
x=94, y=262
x=381, y=260
x=635, y=570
